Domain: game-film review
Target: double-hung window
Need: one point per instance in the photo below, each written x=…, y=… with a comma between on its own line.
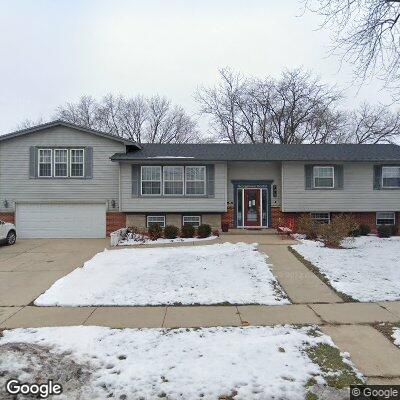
x=60, y=163
x=77, y=163
x=173, y=181
x=151, y=180
x=324, y=177
x=391, y=177
x=195, y=180
x=385, y=218
x=45, y=164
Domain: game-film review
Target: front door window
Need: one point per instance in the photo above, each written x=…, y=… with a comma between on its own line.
x=252, y=207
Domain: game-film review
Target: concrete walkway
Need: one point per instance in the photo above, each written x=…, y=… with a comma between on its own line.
x=30, y=267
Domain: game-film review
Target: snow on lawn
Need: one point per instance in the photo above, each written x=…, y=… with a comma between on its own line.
x=396, y=336
x=220, y=273
x=136, y=240
x=368, y=269
x=251, y=362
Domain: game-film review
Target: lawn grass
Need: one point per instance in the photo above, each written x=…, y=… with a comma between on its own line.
x=386, y=328
x=345, y=297
x=338, y=374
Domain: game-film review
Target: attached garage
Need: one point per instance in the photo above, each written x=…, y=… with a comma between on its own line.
x=60, y=220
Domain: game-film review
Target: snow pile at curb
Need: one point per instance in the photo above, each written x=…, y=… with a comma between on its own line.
x=368, y=269
x=253, y=363
x=215, y=274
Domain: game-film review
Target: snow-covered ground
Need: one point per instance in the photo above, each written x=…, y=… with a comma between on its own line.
x=368, y=269
x=219, y=273
x=137, y=240
x=252, y=363
x=396, y=336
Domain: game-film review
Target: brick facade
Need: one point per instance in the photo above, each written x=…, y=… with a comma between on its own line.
x=367, y=218
x=229, y=216
x=8, y=217
x=115, y=221
x=280, y=218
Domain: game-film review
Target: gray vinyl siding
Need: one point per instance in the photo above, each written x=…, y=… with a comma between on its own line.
x=357, y=194
x=130, y=203
x=17, y=186
x=255, y=171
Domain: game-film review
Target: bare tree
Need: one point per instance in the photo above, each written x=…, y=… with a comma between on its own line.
x=83, y=113
x=151, y=120
x=28, y=123
x=296, y=108
x=371, y=124
x=221, y=103
x=367, y=32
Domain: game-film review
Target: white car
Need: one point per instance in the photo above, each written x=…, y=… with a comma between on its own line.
x=8, y=233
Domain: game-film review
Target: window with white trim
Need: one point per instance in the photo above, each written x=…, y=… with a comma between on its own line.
x=151, y=180
x=323, y=177
x=45, y=163
x=77, y=163
x=391, y=177
x=156, y=219
x=60, y=163
x=321, y=217
x=173, y=181
x=385, y=218
x=195, y=180
x=193, y=220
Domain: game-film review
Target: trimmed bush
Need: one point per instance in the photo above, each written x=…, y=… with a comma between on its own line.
x=340, y=227
x=385, y=231
x=187, y=231
x=364, y=229
x=203, y=231
x=155, y=231
x=171, y=232
x=308, y=226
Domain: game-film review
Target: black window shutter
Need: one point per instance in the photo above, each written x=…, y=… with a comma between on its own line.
x=210, y=171
x=308, y=174
x=33, y=162
x=89, y=162
x=135, y=180
x=377, y=177
x=338, y=176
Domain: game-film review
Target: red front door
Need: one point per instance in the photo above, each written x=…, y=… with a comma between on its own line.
x=252, y=207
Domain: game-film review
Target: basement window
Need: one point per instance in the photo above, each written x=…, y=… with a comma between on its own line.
x=321, y=217
x=193, y=220
x=156, y=219
x=385, y=218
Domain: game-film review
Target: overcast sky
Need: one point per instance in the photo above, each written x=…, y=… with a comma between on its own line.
x=52, y=52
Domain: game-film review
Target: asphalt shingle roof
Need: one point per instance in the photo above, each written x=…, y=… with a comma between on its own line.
x=265, y=152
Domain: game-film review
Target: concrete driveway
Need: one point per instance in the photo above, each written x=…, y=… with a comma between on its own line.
x=31, y=266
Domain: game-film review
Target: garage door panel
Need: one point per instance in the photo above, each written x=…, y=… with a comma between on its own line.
x=37, y=220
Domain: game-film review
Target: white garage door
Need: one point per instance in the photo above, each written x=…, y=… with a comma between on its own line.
x=35, y=220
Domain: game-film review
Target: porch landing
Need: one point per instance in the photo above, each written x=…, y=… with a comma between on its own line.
x=251, y=231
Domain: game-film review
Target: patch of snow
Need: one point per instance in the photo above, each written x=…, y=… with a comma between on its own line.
x=367, y=269
x=396, y=336
x=254, y=363
x=137, y=240
x=214, y=274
